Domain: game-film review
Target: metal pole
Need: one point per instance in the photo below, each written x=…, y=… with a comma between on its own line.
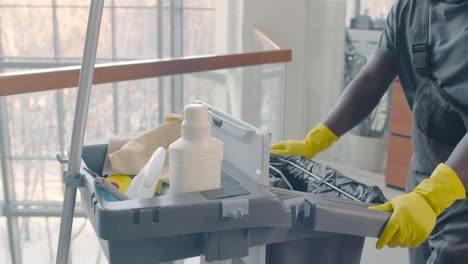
x=177, y=51
x=79, y=125
x=59, y=93
x=59, y=107
x=115, y=90
x=160, y=55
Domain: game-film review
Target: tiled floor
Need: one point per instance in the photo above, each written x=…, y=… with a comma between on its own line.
x=370, y=254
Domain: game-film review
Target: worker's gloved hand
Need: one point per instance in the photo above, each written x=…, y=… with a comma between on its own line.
x=414, y=214
x=318, y=139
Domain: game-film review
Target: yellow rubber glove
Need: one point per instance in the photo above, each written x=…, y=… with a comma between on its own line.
x=414, y=214
x=318, y=139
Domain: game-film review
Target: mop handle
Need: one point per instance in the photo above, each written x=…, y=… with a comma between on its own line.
x=84, y=87
x=101, y=182
x=73, y=177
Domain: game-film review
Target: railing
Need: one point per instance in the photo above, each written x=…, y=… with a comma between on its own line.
x=13, y=86
x=66, y=77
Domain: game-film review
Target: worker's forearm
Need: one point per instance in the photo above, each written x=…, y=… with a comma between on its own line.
x=458, y=160
x=360, y=96
x=357, y=102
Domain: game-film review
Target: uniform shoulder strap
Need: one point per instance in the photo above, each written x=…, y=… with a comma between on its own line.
x=420, y=44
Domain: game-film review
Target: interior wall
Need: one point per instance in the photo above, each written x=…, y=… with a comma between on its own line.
x=284, y=23
x=228, y=41
x=315, y=31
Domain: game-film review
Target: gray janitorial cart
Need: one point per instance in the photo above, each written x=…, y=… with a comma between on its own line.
x=235, y=222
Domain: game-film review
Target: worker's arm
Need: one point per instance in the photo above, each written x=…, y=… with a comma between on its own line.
x=458, y=160
x=414, y=214
x=356, y=103
x=358, y=100
x=361, y=95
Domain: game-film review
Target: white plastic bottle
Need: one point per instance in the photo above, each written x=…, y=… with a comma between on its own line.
x=144, y=184
x=195, y=158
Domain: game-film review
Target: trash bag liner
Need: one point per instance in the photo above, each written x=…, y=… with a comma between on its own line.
x=300, y=181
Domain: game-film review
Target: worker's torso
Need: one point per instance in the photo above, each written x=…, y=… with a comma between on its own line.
x=439, y=104
x=448, y=41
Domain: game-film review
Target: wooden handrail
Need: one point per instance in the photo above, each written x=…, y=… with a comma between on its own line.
x=66, y=77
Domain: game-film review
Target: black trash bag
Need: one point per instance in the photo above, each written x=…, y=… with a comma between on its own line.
x=300, y=181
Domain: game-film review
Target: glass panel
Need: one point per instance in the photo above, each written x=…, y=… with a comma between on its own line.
x=78, y=3
x=72, y=30
x=85, y=247
x=4, y=244
x=200, y=3
x=166, y=33
x=135, y=2
x=68, y=108
x=272, y=102
x=199, y=32
x=136, y=33
x=253, y=94
x=37, y=180
x=30, y=31
x=34, y=137
x=26, y=2
x=37, y=236
x=32, y=128
x=209, y=87
x=99, y=124
x=1, y=183
x=100, y=113
x=138, y=105
x=33, y=144
x=38, y=241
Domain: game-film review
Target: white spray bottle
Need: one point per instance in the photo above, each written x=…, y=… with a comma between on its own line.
x=144, y=184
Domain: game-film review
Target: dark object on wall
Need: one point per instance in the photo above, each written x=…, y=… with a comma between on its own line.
x=400, y=148
x=330, y=179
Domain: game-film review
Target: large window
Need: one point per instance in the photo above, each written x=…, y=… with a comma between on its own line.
x=38, y=34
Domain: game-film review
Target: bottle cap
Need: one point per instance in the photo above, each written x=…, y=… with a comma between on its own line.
x=196, y=123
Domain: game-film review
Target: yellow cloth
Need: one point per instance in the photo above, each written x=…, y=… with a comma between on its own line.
x=318, y=139
x=136, y=153
x=116, y=142
x=414, y=214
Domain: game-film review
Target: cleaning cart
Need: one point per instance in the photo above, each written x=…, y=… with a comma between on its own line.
x=234, y=222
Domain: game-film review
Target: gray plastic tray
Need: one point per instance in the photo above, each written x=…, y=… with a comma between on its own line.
x=224, y=223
